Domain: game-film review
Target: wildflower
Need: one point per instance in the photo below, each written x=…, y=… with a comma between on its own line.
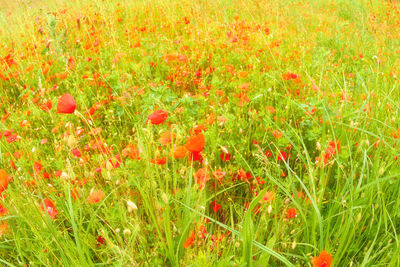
x=159, y=161
x=202, y=232
x=37, y=166
x=95, y=196
x=219, y=174
x=196, y=156
x=282, y=156
x=3, y=210
x=47, y=105
x=180, y=152
x=195, y=143
x=202, y=177
x=289, y=76
x=166, y=138
x=225, y=156
x=190, y=240
x=131, y=206
x=331, y=150
x=268, y=197
x=323, y=260
x=77, y=153
x=197, y=129
x=49, y=207
x=66, y=104
x=3, y=228
x=215, y=206
x=158, y=116
x=277, y=134
x=4, y=179
x=100, y=241
x=268, y=154
x=113, y=162
x=291, y=213
x=12, y=138
x=131, y=151
x=270, y=109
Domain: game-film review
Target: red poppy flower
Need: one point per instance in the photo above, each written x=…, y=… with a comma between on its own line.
x=216, y=207
x=3, y=210
x=282, y=156
x=225, y=156
x=268, y=153
x=47, y=105
x=219, y=174
x=324, y=260
x=77, y=153
x=159, y=161
x=8, y=132
x=196, y=156
x=100, y=240
x=331, y=150
x=66, y=104
x=12, y=138
x=291, y=213
x=49, y=207
x=37, y=166
x=158, y=116
x=113, y=162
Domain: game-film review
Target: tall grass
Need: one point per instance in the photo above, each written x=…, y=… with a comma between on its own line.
x=317, y=80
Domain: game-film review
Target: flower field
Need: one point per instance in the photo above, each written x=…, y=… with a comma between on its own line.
x=200, y=133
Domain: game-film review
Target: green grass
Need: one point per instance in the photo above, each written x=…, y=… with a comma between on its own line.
x=258, y=77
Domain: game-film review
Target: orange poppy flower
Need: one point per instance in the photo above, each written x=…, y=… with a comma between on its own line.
x=324, y=260
x=198, y=129
x=131, y=151
x=95, y=196
x=166, y=138
x=277, y=134
x=3, y=180
x=180, y=152
x=202, y=177
x=195, y=143
x=3, y=228
x=268, y=197
x=190, y=240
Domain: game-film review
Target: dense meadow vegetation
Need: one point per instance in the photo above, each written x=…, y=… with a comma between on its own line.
x=199, y=133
